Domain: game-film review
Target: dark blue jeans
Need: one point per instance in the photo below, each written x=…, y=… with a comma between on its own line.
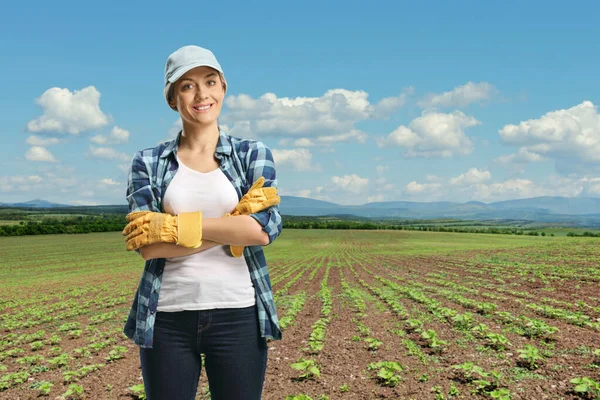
x=235, y=355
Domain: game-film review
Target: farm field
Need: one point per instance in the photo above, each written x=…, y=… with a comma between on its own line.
x=365, y=315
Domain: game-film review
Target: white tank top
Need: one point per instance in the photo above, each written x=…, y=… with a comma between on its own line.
x=212, y=278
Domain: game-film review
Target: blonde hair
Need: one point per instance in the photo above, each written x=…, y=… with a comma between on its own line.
x=171, y=91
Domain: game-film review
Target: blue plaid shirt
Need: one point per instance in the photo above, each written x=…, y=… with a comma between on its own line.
x=243, y=161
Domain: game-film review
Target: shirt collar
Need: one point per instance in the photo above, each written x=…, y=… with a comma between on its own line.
x=224, y=147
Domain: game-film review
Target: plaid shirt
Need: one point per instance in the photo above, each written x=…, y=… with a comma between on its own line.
x=243, y=161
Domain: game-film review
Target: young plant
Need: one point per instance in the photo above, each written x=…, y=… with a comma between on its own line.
x=59, y=361
x=432, y=340
x=387, y=375
x=309, y=368
x=116, y=353
x=75, y=392
x=497, y=341
x=413, y=325
x=480, y=330
x=596, y=354
x=501, y=394
x=138, y=391
x=531, y=356
x=43, y=387
x=587, y=386
x=373, y=343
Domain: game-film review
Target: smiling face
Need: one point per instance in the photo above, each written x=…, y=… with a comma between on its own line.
x=198, y=95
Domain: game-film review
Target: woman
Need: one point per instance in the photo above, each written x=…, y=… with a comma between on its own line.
x=198, y=203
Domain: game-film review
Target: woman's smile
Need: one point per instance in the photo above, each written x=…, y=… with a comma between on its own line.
x=202, y=108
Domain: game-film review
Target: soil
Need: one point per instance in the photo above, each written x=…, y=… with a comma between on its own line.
x=345, y=357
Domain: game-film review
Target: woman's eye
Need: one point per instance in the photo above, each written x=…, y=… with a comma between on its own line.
x=189, y=85
x=212, y=83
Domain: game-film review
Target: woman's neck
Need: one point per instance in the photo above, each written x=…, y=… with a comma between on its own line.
x=198, y=138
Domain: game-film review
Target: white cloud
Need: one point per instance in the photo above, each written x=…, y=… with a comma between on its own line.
x=117, y=136
x=335, y=112
x=414, y=188
x=39, y=153
x=36, y=140
x=375, y=198
x=460, y=96
x=108, y=153
x=109, y=182
x=471, y=177
x=350, y=183
x=476, y=184
x=68, y=112
x=523, y=156
x=298, y=159
x=354, y=135
x=568, y=136
x=433, y=134
x=19, y=183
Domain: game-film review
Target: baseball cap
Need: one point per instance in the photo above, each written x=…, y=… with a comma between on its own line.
x=184, y=59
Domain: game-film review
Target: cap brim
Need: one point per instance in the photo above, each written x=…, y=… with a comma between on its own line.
x=182, y=70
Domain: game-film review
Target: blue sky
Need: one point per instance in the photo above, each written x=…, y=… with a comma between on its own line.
x=453, y=101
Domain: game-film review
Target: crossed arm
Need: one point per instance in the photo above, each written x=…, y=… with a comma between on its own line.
x=258, y=229
x=241, y=230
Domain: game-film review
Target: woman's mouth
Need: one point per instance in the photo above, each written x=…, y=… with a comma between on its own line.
x=202, y=108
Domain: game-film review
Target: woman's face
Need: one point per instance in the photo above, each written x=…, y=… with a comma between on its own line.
x=199, y=95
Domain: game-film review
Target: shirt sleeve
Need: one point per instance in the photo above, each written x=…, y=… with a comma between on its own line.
x=140, y=194
x=261, y=163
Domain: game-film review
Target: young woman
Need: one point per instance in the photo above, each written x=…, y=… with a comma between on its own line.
x=197, y=203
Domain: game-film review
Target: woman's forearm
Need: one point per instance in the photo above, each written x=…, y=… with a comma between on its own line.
x=168, y=250
x=241, y=230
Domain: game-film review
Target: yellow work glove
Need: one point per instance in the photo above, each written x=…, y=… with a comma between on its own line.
x=256, y=199
x=147, y=227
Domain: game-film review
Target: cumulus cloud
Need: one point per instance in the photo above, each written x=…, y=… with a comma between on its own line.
x=460, y=96
x=298, y=159
x=477, y=184
x=109, y=182
x=108, y=153
x=433, y=134
x=567, y=136
x=350, y=183
x=36, y=140
x=69, y=112
x=415, y=188
x=19, y=183
x=354, y=135
x=39, y=153
x=335, y=112
x=116, y=136
x=471, y=177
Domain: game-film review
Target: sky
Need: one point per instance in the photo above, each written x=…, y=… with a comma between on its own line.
x=358, y=101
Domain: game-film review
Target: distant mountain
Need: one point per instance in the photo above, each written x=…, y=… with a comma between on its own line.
x=578, y=211
x=36, y=203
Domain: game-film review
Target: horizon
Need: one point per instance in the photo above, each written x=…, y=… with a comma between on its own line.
x=308, y=198
x=401, y=102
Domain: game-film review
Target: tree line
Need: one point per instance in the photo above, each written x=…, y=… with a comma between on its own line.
x=116, y=223
x=80, y=224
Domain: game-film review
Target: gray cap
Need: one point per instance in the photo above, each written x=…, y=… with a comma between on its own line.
x=184, y=59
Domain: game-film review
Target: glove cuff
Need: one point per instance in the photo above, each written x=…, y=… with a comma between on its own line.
x=189, y=230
